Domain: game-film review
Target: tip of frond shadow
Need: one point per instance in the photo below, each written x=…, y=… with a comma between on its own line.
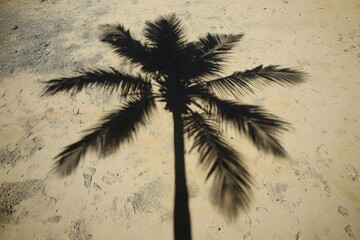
x=168, y=17
x=301, y=76
x=60, y=170
x=112, y=32
x=45, y=92
x=279, y=153
x=288, y=127
x=231, y=205
x=51, y=88
x=56, y=172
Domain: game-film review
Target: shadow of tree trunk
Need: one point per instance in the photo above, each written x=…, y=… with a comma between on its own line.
x=182, y=225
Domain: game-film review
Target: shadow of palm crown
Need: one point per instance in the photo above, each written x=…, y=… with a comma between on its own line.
x=186, y=75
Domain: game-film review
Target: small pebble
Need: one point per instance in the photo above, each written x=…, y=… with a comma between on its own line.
x=76, y=111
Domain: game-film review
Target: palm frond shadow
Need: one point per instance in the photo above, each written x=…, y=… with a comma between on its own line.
x=186, y=77
x=116, y=128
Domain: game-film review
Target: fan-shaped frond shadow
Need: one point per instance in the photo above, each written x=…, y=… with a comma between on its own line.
x=114, y=129
x=231, y=179
x=241, y=83
x=108, y=80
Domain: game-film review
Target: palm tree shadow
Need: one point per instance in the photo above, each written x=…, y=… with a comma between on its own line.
x=186, y=77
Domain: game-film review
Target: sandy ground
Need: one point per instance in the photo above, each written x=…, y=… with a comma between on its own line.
x=313, y=195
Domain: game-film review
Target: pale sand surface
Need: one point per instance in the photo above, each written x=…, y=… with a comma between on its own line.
x=313, y=195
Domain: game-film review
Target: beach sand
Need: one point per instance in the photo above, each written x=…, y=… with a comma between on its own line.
x=315, y=194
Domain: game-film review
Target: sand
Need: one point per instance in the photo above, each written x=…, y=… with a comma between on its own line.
x=315, y=194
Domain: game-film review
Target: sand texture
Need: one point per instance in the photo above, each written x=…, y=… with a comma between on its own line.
x=315, y=194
